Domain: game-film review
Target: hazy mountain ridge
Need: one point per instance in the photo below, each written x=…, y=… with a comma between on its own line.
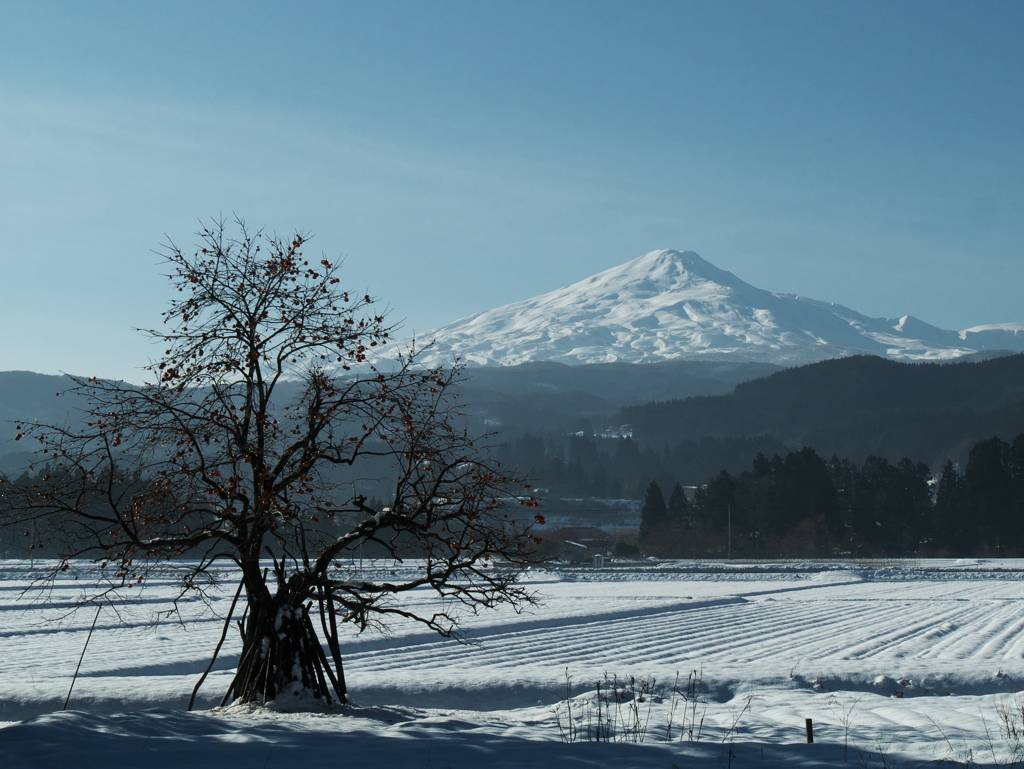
x=851, y=407
x=534, y=396
x=668, y=305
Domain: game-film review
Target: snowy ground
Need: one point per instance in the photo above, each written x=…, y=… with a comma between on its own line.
x=897, y=664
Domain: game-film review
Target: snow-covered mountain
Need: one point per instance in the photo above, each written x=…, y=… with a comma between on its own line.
x=668, y=305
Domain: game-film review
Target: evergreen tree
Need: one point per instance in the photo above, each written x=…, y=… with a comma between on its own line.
x=653, y=516
x=678, y=506
x=875, y=517
x=715, y=498
x=807, y=490
x=953, y=529
x=990, y=492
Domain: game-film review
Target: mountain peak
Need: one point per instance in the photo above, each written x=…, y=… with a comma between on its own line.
x=669, y=304
x=672, y=268
x=667, y=257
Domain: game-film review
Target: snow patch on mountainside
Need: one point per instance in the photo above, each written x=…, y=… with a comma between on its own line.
x=1009, y=328
x=671, y=305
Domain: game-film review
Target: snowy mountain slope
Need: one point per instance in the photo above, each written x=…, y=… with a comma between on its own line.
x=668, y=305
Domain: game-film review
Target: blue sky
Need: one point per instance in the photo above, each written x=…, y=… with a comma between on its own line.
x=463, y=155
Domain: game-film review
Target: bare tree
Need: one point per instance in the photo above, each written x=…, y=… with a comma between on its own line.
x=244, y=448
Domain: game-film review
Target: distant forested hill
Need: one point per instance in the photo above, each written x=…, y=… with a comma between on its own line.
x=854, y=407
x=27, y=396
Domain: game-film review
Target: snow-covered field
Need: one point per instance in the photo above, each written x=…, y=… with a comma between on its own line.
x=897, y=664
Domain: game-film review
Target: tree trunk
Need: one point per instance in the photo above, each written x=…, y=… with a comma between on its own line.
x=282, y=658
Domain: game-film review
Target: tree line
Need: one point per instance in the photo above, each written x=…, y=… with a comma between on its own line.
x=583, y=465
x=800, y=505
